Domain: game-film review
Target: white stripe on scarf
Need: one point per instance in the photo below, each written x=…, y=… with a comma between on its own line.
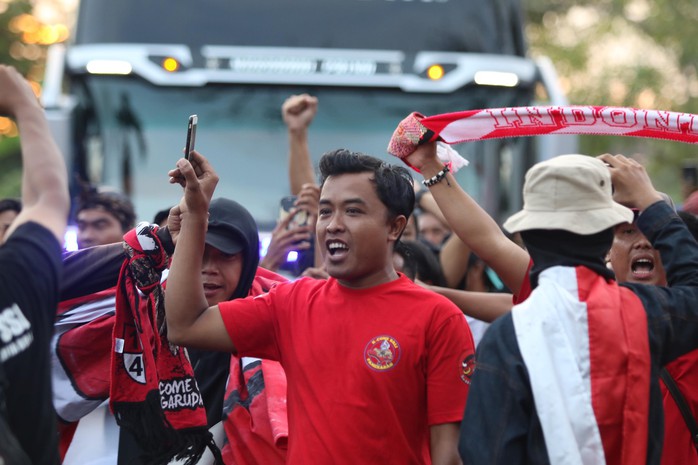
x=553, y=336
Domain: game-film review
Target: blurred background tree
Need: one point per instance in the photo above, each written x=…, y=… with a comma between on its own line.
x=23, y=42
x=635, y=53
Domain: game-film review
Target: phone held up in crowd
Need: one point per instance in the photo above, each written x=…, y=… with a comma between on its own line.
x=191, y=135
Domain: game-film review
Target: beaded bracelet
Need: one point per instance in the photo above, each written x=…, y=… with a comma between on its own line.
x=438, y=177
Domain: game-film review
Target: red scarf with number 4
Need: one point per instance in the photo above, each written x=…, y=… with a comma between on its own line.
x=153, y=392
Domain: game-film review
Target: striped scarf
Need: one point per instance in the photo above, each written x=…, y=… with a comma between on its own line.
x=494, y=123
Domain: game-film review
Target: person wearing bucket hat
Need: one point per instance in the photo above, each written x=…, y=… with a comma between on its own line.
x=570, y=193
x=602, y=402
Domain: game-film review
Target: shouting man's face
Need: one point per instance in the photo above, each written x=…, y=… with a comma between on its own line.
x=633, y=259
x=354, y=232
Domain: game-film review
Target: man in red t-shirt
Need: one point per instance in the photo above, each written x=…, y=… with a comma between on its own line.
x=378, y=369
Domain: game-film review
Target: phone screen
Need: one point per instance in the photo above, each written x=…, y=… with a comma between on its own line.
x=299, y=219
x=191, y=135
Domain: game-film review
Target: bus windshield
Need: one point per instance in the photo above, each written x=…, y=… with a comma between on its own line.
x=492, y=26
x=240, y=130
x=366, y=60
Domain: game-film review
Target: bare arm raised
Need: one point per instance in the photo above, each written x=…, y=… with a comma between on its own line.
x=45, y=198
x=471, y=223
x=298, y=112
x=190, y=321
x=454, y=252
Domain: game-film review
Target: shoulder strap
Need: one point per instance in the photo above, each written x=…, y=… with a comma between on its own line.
x=682, y=404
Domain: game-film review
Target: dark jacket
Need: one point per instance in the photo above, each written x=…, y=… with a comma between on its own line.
x=500, y=425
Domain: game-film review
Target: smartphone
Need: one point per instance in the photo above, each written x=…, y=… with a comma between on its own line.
x=191, y=135
x=286, y=205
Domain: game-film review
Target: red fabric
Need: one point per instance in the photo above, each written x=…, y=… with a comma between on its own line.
x=691, y=203
x=257, y=424
x=264, y=280
x=366, y=367
x=678, y=444
x=255, y=418
x=620, y=367
x=66, y=306
x=66, y=431
x=87, y=365
x=525, y=290
x=153, y=392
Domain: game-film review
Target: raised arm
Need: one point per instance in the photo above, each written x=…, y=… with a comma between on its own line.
x=298, y=112
x=45, y=197
x=190, y=321
x=471, y=223
x=454, y=252
x=657, y=221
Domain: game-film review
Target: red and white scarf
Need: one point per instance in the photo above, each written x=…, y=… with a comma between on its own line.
x=493, y=123
x=584, y=342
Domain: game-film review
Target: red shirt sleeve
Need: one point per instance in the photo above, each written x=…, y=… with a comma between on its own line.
x=450, y=363
x=252, y=325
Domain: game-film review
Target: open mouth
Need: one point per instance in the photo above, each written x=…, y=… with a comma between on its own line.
x=209, y=287
x=642, y=267
x=337, y=248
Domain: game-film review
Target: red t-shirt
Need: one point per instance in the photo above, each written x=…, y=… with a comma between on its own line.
x=369, y=370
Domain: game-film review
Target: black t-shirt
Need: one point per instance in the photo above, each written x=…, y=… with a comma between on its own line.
x=30, y=265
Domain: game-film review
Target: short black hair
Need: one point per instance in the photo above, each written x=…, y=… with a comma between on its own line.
x=161, y=216
x=10, y=204
x=113, y=202
x=393, y=183
x=420, y=263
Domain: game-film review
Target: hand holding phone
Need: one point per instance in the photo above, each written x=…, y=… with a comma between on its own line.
x=191, y=135
x=287, y=205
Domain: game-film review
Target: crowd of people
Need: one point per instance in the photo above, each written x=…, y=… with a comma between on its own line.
x=416, y=331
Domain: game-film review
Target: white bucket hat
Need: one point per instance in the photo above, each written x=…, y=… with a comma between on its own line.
x=569, y=192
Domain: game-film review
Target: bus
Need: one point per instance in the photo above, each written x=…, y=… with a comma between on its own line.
x=119, y=94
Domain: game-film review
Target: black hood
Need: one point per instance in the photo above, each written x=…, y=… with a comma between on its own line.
x=230, y=218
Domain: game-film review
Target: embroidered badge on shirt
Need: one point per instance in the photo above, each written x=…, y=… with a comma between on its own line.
x=467, y=367
x=382, y=353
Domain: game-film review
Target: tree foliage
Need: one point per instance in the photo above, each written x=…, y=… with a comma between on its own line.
x=11, y=38
x=26, y=58
x=635, y=53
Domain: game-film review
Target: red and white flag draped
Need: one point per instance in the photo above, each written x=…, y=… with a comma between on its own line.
x=494, y=123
